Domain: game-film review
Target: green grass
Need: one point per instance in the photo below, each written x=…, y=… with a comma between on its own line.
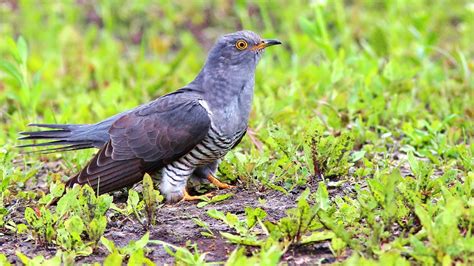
x=377, y=96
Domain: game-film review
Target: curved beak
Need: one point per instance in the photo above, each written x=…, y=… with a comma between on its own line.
x=270, y=43
x=266, y=43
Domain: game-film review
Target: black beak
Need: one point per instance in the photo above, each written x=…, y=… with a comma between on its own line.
x=271, y=42
x=264, y=44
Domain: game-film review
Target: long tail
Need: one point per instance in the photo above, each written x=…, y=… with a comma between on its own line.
x=68, y=137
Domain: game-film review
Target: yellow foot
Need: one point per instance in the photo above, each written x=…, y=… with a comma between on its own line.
x=188, y=197
x=218, y=183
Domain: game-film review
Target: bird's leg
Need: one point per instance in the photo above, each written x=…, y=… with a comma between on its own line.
x=188, y=197
x=218, y=183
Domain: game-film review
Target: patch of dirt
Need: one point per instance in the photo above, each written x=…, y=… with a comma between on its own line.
x=174, y=225
x=311, y=254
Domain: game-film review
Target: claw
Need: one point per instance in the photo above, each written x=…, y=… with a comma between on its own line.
x=188, y=197
x=218, y=183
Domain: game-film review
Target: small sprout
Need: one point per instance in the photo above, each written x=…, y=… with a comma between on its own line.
x=217, y=198
x=134, y=250
x=204, y=225
x=184, y=256
x=152, y=199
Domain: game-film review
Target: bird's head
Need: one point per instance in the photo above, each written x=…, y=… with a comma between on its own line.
x=238, y=50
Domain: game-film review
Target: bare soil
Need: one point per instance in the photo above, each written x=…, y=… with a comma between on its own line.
x=175, y=225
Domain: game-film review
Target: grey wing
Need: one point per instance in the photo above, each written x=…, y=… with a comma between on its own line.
x=145, y=140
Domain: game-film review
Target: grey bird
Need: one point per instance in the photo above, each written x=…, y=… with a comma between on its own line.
x=178, y=135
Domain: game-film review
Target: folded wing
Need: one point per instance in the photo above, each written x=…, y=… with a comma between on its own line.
x=144, y=141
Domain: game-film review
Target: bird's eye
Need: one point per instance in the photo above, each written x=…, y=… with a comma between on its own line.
x=241, y=45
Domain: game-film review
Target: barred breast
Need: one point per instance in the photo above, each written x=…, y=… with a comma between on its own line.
x=213, y=147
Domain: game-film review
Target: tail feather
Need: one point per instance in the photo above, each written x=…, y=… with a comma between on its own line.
x=61, y=126
x=60, y=149
x=54, y=143
x=67, y=136
x=49, y=134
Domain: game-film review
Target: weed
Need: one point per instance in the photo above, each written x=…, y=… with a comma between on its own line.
x=78, y=212
x=134, y=251
x=144, y=210
x=184, y=256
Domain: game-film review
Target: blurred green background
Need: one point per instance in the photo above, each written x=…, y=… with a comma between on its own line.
x=382, y=63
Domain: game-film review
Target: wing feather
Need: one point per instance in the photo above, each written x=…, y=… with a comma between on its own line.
x=144, y=141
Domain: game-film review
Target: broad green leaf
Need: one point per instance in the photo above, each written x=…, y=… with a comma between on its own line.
x=4, y=261
x=11, y=70
x=317, y=237
x=322, y=196
x=213, y=213
x=252, y=215
x=248, y=241
x=74, y=225
x=22, y=49
x=108, y=244
x=113, y=259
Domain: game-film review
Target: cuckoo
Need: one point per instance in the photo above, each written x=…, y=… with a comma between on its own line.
x=181, y=134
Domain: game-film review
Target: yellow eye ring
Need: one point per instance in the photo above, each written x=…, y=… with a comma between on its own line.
x=241, y=45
